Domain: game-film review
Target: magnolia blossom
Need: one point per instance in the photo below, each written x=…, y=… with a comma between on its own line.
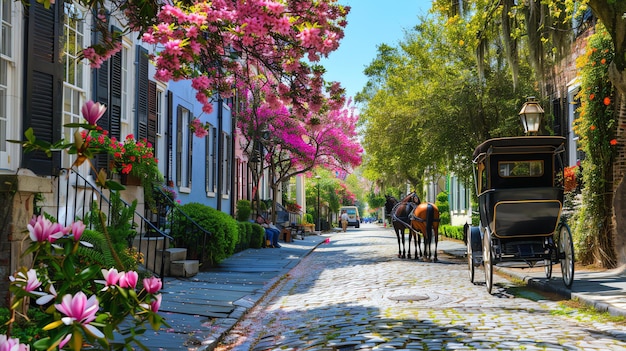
x=152, y=285
x=79, y=309
x=41, y=229
x=28, y=281
x=77, y=228
x=92, y=111
x=11, y=344
x=129, y=279
x=156, y=303
x=111, y=277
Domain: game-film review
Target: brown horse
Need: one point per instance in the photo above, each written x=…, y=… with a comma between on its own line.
x=425, y=219
x=399, y=212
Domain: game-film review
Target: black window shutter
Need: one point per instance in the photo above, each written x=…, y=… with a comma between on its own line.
x=115, y=93
x=43, y=91
x=142, y=93
x=152, y=113
x=100, y=83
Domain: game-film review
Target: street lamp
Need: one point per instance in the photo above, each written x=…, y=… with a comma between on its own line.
x=530, y=115
x=319, y=226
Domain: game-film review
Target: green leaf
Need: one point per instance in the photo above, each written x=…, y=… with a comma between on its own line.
x=113, y=185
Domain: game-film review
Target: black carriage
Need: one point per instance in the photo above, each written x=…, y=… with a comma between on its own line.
x=519, y=182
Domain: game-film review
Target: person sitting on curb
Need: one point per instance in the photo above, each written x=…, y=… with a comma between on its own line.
x=271, y=232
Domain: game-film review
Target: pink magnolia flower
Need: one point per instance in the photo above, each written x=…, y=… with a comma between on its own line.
x=81, y=310
x=41, y=229
x=11, y=344
x=77, y=228
x=92, y=111
x=129, y=279
x=152, y=284
x=29, y=281
x=156, y=304
x=111, y=276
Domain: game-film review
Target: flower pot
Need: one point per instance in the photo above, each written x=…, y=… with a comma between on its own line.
x=129, y=179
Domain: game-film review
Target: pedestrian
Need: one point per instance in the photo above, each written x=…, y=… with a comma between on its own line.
x=344, y=220
x=271, y=231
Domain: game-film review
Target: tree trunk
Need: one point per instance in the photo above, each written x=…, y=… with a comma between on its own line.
x=618, y=78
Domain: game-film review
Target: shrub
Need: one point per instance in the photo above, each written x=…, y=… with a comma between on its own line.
x=452, y=231
x=223, y=228
x=444, y=208
x=258, y=236
x=244, y=209
x=308, y=218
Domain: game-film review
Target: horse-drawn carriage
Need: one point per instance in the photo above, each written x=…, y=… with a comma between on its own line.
x=519, y=182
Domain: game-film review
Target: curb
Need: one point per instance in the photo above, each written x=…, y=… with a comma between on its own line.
x=245, y=304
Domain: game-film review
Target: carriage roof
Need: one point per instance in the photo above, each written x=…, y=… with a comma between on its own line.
x=524, y=144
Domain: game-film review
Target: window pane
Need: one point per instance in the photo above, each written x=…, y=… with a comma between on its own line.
x=521, y=168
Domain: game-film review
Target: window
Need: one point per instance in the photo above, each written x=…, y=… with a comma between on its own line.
x=6, y=35
x=511, y=169
x=124, y=84
x=226, y=170
x=209, y=164
x=73, y=86
x=183, y=149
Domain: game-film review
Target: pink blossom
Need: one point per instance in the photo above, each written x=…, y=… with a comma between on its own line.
x=29, y=281
x=12, y=344
x=77, y=228
x=156, y=304
x=128, y=279
x=111, y=276
x=81, y=310
x=92, y=111
x=152, y=285
x=43, y=230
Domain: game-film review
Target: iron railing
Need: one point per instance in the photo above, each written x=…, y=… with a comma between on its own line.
x=185, y=231
x=76, y=198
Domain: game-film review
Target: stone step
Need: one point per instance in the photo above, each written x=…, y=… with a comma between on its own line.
x=184, y=268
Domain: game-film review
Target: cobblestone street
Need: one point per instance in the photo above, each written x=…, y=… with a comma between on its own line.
x=352, y=293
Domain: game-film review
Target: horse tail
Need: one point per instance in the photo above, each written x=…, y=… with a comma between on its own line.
x=430, y=218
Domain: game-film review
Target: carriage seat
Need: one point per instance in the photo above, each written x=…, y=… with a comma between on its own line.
x=522, y=212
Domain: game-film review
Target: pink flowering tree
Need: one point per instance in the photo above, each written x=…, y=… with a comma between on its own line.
x=289, y=145
x=224, y=44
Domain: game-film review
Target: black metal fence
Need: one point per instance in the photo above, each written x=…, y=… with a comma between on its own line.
x=78, y=198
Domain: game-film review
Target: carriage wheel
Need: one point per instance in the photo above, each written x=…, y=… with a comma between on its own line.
x=548, y=268
x=487, y=260
x=470, y=254
x=566, y=254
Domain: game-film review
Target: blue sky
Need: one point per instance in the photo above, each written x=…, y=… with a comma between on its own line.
x=370, y=23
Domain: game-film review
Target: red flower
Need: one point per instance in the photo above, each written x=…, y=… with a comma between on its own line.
x=603, y=61
x=127, y=168
x=591, y=96
x=592, y=127
x=607, y=101
x=613, y=142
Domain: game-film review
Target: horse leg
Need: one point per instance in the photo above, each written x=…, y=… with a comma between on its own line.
x=399, y=246
x=436, y=236
x=418, y=238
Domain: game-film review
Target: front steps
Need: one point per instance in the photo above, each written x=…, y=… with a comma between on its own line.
x=174, y=259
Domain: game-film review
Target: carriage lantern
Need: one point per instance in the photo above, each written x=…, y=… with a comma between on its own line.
x=530, y=115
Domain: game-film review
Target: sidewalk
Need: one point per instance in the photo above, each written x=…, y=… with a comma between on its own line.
x=202, y=309
x=604, y=290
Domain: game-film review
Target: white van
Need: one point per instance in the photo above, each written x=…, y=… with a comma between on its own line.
x=354, y=219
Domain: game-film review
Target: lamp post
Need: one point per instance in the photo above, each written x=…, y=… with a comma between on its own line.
x=531, y=115
x=319, y=225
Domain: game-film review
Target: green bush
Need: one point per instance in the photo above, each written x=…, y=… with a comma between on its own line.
x=444, y=208
x=451, y=231
x=245, y=235
x=308, y=218
x=258, y=236
x=25, y=329
x=223, y=228
x=244, y=209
